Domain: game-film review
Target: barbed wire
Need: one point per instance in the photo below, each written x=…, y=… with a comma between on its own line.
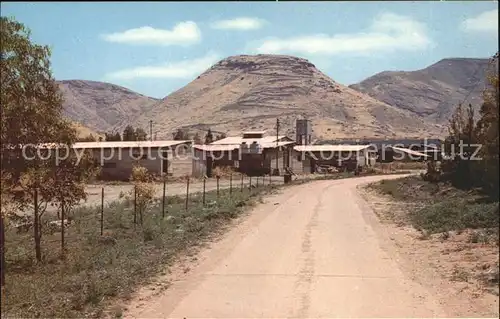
x=93, y=211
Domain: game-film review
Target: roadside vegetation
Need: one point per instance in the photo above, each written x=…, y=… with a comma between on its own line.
x=461, y=191
x=441, y=207
x=457, y=199
x=98, y=268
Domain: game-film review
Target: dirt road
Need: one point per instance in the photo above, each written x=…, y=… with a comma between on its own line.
x=312, y=251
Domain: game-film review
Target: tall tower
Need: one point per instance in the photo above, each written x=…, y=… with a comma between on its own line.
x=303, y=130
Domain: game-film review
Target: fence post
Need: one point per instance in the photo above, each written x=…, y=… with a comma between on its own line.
x=241, y=189
x=270, y=179
x=2, y=252
x=163, y=200
x=250, y=185
x=204, y=183
x=218, y=178
x=187, y=193
x=257, y=182
x=36, y=227
x=230, y=184
x=140, y=214
x=135, y=205
x=102, y=211
x=62, y=228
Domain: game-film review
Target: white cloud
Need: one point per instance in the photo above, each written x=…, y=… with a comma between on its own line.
x=388, y=32
x=242, y=23
x=177, y=70
x=183, y=33
x=484, y=22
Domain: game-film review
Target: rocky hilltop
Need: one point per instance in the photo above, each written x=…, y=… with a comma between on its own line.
x=101, y=106
x=432, y=93
x=249, y=92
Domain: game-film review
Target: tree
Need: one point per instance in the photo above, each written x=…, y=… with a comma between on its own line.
x=5, y=209
x=459, y=147
x=144, y=189
x=140, y=134
x=38, y=193
x=113, y=136
x=482, y=171
x=180, y=135
x=487, y=132
x=209, y=137
x=219, y=137
x=69, y=180
x=197, y=139
x=88, y=138
x=129, y=134
x=31, y=111
x=31, y=114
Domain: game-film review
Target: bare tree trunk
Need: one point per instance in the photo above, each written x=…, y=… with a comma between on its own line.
x=135, y=205
x=62, y=228
x=2, y=251
x=36, y=228
x=140, y=213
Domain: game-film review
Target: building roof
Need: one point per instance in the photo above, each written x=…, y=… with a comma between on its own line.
x=254, y=132
x=240, y=139
x=230, y=147
x=216, y=147
x=409, y=151
x=274, y=144
x=129, y=144
x=330, y=148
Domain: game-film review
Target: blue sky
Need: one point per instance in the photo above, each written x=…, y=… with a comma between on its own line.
x=155, y=48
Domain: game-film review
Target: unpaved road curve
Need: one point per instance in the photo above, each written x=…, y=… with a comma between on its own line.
x=310, y=252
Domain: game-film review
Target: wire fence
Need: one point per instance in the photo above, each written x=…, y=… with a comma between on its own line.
x=109, y=196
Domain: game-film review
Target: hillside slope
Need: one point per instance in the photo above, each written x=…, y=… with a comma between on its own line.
x=433, y=92
x=250, y=92
x=101, y=106
x=83, y=131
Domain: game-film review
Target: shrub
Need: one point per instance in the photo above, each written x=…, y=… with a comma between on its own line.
x=455, y=215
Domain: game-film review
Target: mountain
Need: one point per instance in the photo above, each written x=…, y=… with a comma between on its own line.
x=250, y=92
x=432, y=93
x=101, y=106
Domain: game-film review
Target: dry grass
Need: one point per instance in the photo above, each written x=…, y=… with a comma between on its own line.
x=224, y=171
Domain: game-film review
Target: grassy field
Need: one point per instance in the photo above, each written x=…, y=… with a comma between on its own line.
x=97, y=268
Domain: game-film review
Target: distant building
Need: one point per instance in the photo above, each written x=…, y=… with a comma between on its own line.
x=347, y=157
x=252, y=153
x=161, y=158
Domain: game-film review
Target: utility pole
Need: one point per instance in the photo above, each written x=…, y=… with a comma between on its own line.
x=151, y=130
x=277, y=151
